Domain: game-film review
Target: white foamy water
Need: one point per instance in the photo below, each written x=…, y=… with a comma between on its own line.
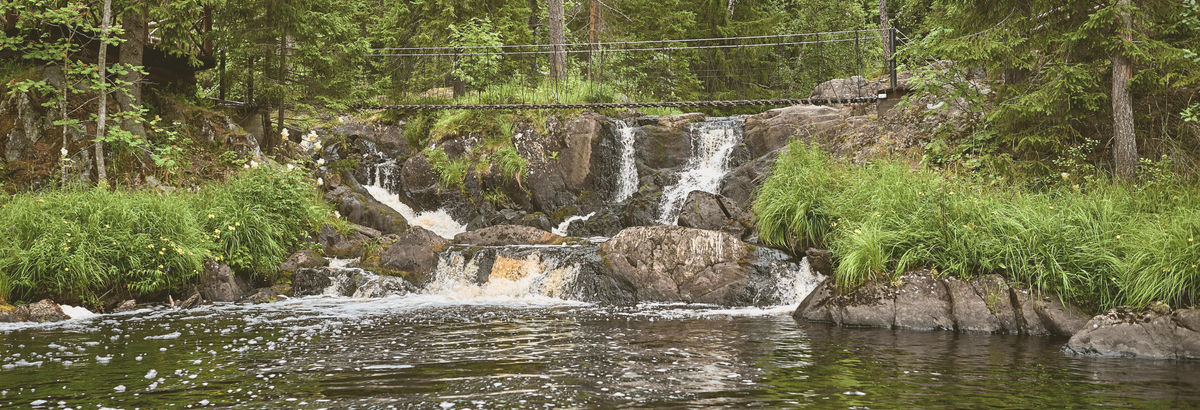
x=627, y=179
x=438, y=222
x=712, y=143
x=561, y=230
x=76, y=312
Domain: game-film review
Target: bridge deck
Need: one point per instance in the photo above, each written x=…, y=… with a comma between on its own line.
x=597, y=106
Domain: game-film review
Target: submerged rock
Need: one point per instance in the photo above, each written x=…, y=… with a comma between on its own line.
x=1155, y=333
x=926, y=301
x=220, y=284
x=702, y=210
x=501, y=235
x=676, y=264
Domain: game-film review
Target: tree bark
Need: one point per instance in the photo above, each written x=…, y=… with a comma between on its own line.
x=102, y=112
x=1125, y=154
x=558, y=52
x=884, y=26
x=133, y=46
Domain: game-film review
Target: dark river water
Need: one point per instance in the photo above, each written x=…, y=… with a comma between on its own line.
x=428, y=352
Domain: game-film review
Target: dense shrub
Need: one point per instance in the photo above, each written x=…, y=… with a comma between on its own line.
x=83, y=244
x=1097, y=244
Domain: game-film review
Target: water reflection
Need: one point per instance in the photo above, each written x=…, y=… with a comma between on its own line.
x=409, y=351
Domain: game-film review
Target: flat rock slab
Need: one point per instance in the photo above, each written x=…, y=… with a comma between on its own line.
x=504, y=235
x=1155, y=333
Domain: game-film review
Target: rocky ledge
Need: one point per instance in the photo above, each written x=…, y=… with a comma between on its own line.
x=1156, y=332
x=926, y=301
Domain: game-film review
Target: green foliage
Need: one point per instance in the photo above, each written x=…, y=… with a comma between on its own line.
x=1091, y=242
x=452, y=173
x=257, y=217
x=85, y=243
x=511, y=164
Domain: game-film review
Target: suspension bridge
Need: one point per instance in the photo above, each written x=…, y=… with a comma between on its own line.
x=772, y=70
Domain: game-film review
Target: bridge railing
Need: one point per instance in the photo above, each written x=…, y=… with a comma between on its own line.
x=757, y=70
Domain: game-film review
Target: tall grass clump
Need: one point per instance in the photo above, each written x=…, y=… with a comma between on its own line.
x=255, y=218
x=81, y=244
x=1098, y=244
x=85, y=245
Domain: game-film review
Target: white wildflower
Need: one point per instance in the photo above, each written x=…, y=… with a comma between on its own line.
x=290, y=167
x=320, y=161
x=320, y=181
x=284, y=133
x=64, y=152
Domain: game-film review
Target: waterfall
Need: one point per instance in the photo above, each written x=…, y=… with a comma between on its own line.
x=712, y=143
x=627, y=179
x=438, y=222
x=561, y=230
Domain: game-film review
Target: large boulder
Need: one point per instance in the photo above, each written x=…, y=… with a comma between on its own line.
x=923, y=300
x=220, y=284
x=503, y=235
x=665, y=142
x=702, y=210
x=676, y=264
x=413, y=256
x=419, y=181
x=356, y=205
x=740, y=184
x=44, y=310
x=1155, y=333
x=843, y=88
x=773, y=129
x=309, y=282
x=575, y=159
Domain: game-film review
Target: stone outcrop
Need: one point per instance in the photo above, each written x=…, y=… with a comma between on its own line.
x=773, y=129
x=338, y=245
x=663, y=142
x=309, y=282
x=502, y=235
x=926, y=301
x=702, y=210
x=220, y=284
x=676, y=264
x=1154, y=333
x=303, y=259
x=740, y=183
x=359, y=207
x=413, y=255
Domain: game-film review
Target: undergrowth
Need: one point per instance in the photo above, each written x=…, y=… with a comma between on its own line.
x=1094, y=242
x=80, y=245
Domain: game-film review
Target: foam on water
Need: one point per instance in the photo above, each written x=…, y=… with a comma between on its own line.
x=76, y=312
x=439, y=222
x=561, y=230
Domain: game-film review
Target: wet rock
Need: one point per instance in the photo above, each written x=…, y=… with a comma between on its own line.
x=926, y=301
x=841, y=88
x=572, y=273
x=740, y=184
x=413, y=256
x=641, y=209
x=665, y=142
x=820, y=260
x=359, y=207
x=8, y=313
x=304, y=259
x=702, y=210
x=502, y=235
x=1154, y=333
x=338, y=245
x=575, y=159
x=126, y=306
x=190, y=302
x=388, y=137
x=220, y=284
x=773, y=129
x=44, y=310
x=358, y=283
x=676, y=264
x=262, y=295
x=309, y=282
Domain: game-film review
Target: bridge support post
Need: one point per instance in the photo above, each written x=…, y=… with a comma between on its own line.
x=892, y=60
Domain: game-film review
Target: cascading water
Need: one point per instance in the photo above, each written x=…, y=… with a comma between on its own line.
x=627, y=178
x=562, y=228
x=712, y=143
x=439, y=222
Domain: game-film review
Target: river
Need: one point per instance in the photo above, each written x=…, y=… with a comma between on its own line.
x=497, y=352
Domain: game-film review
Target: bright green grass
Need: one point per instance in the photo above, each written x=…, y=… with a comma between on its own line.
x=78, y=245
x=1098, y=245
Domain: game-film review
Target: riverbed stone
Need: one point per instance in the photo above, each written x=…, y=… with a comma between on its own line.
x=220, y=284
x=359, y=207
x=703, y=210
x=303, y=259
x=413, y=255
x=309, y=282
x=503, y=235
x=1142, y=333
x=773, y=129
x=676, y=264
x=126, y=306
x=44, y=310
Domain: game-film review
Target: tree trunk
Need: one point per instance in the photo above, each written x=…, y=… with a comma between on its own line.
x=282, y=82
x=133, y=46
x=533, y=25
x=102, y=112
x=1125, y=154
x=884, y=26
x=558, y=52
